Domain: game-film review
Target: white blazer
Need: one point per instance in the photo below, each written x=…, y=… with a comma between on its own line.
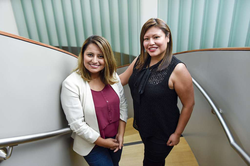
x=78, y=106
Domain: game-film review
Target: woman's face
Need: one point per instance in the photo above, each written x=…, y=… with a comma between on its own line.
x=155, y=42
x=93, y=59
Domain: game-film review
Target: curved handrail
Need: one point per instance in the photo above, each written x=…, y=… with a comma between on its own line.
x=8, y=143
x=30, y=138
x=232, y=142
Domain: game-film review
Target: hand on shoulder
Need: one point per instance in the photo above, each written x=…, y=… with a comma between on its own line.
x=124, y=77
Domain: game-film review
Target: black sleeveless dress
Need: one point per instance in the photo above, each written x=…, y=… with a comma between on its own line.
x=155, y=104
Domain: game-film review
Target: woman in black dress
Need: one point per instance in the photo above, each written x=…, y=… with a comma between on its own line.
x=156, y=79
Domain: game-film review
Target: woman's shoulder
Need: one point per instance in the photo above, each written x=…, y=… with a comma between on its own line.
x=74, y=77
x=116, y=77
x=181, y=70
x=176, y=60
x=117, y=80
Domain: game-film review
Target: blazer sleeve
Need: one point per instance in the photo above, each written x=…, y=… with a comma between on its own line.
x=73, y=110
x=123, y=101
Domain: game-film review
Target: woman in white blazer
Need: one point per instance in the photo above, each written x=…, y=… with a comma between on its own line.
x=93, y=101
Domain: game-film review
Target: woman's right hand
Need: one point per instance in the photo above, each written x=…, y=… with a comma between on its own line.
x=112, y=143
x=109, y=143
x=124, y=77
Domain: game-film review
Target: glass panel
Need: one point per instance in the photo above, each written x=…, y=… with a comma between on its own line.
x=248, y=37
x=223, y=24
x=20, y=18
x=30, y=19
x=197, y=12
x=183, y=25
x=95, y=15
x=77, y=25
x=45, y=12
x=240, y=24
x=209, y=23
x=66, y=24
x=170, y=14
x=198, y=24
x=133, y=28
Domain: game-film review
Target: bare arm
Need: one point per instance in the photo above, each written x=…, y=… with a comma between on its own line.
x=124, y=77
x=182, y=83
x=120, y=134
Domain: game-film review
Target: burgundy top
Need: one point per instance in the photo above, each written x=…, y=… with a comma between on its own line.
x=107, y=111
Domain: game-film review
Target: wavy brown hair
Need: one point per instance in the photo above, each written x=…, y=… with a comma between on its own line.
x=107, y=75
x=155, y=22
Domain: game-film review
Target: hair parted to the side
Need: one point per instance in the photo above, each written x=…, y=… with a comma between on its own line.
x=107, y=75
x=159, y=23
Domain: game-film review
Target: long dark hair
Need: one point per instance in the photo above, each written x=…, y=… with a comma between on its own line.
x=155, y=22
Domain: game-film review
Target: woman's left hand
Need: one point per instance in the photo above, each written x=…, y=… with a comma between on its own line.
x=173, y=140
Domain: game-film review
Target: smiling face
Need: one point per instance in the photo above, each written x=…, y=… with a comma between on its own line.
x=155, y=42
x=93, y=59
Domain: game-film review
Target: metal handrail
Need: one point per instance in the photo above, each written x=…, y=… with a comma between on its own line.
x=30, y=138
x=8, y=143
x=232, y=142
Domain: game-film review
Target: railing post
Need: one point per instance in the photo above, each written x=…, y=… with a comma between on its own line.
x=5, y=153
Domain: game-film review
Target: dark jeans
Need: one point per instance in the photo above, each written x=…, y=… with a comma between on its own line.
x=100, y=156
x=155, y=151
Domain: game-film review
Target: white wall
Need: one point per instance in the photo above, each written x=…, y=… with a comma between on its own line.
x=225, y=76
x=148, y=10
x=37, y=71
x=7, y=19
